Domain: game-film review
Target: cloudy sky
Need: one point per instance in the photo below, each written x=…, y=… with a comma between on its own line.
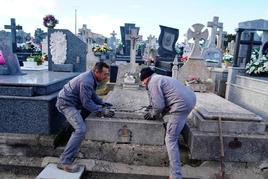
x=104, y=16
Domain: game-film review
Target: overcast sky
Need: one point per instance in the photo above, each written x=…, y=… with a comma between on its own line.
x=104, y=16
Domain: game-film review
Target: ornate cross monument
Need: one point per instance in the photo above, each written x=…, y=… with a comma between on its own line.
x=195, y=66
x=134, y=38
x=13, y=28
x=197, y=35
x=130, y=81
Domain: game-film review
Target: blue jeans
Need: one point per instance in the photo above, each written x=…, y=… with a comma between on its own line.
x=175, y=125
x=74, y=117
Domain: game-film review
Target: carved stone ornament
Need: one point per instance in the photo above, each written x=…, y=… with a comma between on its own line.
x=58, y=47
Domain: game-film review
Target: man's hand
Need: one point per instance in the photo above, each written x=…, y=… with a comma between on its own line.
x=105, y=104
x=105, y=113
x=148, y=116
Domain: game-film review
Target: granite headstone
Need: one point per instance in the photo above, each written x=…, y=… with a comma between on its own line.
x=66, y=53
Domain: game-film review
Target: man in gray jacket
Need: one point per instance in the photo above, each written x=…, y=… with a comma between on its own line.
x=79, y=95
x=173, y=101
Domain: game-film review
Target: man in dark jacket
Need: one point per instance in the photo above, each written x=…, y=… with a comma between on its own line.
x=172, y=101
x=80, y=94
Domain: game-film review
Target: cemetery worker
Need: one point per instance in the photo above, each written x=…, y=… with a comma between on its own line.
x=80, y=93
x=173, y=101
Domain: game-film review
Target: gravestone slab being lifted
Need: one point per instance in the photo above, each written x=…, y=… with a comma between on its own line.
x=128, y=125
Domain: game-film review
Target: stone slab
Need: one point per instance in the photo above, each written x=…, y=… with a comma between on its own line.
x=15, y=91
x=51, y=171
x=125, y=130
x=259, y=24
x=34, y=115
x=128, y=99
x=211, y=106
x=253, y=82
x=250, y=93
x=42, y=82
x=237, y=148
x=238, y=127
x=63, y=67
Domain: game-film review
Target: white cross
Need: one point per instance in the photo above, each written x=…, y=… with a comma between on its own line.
x=133, y=37
x=197, y=35
x=214, y=25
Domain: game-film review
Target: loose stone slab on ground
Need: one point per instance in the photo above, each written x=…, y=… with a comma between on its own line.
x=51, y=171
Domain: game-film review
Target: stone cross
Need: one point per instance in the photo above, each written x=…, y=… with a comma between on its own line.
x=112, y=41
x=197, y=35
x=214, y=25
x=133, y=37
x=13, y=28
x=113, y=34
x=220, y=36
x=85, y=34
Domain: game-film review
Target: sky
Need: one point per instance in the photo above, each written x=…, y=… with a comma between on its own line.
x=104, y=16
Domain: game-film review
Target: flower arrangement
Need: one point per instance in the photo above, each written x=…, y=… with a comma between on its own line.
x=98, y=50
x=227, y=59
x=50, y=21
x=257, y=65
x=194, y=80
x=196, y=84
x=35, y=58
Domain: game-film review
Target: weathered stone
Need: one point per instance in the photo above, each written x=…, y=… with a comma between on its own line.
x=250, y=93
x=238, y=127
x=29, y=145
x=243, y=132
x=211, y=107
x=237, y=147
x=125, y=131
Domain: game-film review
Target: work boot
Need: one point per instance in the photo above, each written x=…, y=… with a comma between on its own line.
x=68, y=167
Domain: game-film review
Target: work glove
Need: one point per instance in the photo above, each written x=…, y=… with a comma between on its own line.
x=148, y=116
x=105, y=113
x=148, y=108
x=106, y=104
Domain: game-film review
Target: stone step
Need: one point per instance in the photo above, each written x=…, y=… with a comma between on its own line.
x=238, y=127
x=42, y=145
x=237, y=147
x=124, y=128
x=97, y=169
x=256, y=83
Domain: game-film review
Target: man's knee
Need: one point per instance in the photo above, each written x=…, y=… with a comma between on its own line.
x=81, y=130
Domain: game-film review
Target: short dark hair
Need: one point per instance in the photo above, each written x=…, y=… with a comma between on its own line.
x=145, y=73
x=99, y=66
